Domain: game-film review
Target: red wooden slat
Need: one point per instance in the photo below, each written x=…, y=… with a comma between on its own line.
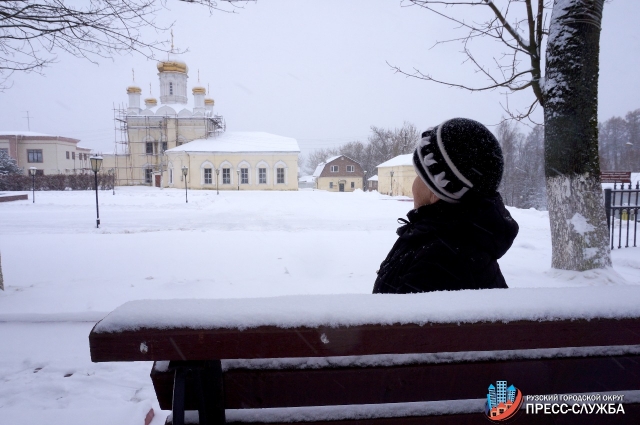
x=399, y=384
x=631, y=416
x=272, y=342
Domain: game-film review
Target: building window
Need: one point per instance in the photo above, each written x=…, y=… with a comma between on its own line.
x=67, y=154
x=244, y=175
x=170, y=175
x=73, y=156
x=262, y=175
x=147, y=175
x=149, y=146
x=164, y=146
x=34, y=155
x=226, y=176
x=353, y=185
x=330, y=185
x=350, y=168
x=207, y=176
x=334, y=168
x=280, y=173
x=39, y=172
x=170, y=88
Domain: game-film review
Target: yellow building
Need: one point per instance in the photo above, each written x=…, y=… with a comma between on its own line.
x=48, y=154
x=235, y=161
x=183, y=130
x=396, y=176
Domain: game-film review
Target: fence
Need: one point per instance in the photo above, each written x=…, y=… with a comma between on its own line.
x=622, y=209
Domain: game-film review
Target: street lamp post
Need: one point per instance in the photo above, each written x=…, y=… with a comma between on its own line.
x=238, y=172
x=96, y=163
x=32, y=173
x=217, y=175
x=391, y=183
x=185, y=170
x=112, y=174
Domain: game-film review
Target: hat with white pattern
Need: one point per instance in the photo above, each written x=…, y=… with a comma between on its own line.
x=457, y=157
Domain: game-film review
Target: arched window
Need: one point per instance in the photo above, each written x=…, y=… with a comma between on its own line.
x=280, y=171
x=262, y=169
x=170, y=88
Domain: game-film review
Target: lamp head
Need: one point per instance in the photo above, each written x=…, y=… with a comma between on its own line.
x=185, y=170
x=32, y=171
x=96, y=163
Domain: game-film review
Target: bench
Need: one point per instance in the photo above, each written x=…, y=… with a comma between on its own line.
x=364, y=359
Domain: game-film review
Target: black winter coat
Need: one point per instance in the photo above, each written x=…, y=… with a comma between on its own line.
x=447, y=246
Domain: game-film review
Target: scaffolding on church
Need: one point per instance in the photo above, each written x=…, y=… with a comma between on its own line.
x=126, y=171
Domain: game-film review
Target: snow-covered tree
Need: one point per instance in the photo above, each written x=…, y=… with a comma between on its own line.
x=568, y=92
x=8, y=165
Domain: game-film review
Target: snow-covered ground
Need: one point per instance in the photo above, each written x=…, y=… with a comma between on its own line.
x=62, y=275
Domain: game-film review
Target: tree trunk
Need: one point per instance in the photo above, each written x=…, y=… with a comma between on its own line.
x=579, y=234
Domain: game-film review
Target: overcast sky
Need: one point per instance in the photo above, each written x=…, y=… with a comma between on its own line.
x=316, y=71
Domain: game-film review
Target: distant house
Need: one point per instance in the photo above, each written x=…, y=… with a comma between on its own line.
x=396, y=176
x=48, y=154
x=372, y=183
x=339, y=174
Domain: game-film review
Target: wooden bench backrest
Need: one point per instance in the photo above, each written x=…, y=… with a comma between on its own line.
x=272, y=342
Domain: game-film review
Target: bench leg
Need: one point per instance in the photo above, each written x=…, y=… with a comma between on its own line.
x=210, y=393
x=179, y=380
x=207, y=377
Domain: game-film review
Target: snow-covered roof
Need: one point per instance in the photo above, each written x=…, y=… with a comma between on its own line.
x=170, y=109
x=373, y=178
x=241, y=141
x=307, y=179
x=398, y=161
x=24, y=133
x=319, y=169
x=320, y=166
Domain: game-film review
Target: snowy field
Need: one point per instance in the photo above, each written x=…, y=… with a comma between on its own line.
x=62, y=275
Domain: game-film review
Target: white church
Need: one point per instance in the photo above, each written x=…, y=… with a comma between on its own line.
x=160, y=140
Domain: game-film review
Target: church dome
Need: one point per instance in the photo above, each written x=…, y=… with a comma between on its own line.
x=209, y=102
x=173, y=66
x=199, y=90
x=133, y=89
x=150, y=102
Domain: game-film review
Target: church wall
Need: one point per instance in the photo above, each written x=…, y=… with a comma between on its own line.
x=197, y=162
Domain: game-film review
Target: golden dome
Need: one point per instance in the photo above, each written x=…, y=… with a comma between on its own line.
x=173, y=66
x=209, y=102
x=150, y=101
x=199, y=90
x=133, y=89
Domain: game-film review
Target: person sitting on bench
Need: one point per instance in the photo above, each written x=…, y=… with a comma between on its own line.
x=460, y=226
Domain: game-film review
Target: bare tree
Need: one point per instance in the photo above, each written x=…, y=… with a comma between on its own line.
x=567, y=92
x=32, y=33
x=518, y=67
x=382, y=145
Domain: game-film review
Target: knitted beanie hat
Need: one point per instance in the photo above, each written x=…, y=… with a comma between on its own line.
x=459, y=156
